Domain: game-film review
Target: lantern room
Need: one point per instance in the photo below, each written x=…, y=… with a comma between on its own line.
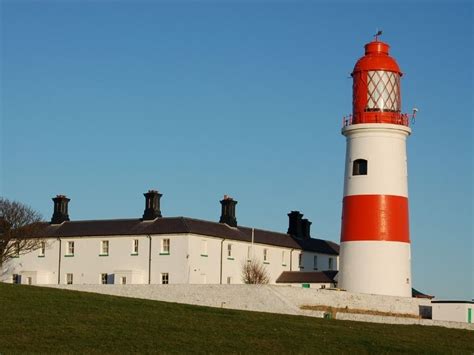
x=376, y=87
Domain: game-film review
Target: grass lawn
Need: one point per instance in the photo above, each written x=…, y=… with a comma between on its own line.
x=35, y=319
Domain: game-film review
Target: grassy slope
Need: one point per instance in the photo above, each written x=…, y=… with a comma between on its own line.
x=35, y=319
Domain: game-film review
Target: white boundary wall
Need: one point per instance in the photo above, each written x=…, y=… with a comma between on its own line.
x=276, y=299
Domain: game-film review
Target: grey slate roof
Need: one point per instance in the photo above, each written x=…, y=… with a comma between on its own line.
x=182, y=225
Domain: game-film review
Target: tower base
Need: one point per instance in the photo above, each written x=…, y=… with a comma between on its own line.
x=375, y=267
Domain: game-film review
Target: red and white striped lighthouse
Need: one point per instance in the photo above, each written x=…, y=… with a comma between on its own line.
x=375, y=239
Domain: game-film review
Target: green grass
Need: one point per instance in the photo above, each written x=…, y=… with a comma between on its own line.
x=35, y=319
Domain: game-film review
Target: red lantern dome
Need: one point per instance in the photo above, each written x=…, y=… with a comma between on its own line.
x=376, y=87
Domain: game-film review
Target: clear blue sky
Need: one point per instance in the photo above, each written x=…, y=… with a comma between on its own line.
x=103, y=100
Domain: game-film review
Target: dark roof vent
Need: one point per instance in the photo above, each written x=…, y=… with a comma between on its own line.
x=228, y=211
x=60, y=213
x=152, y=205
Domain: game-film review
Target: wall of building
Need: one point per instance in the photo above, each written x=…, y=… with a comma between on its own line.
x=191, y=258
x=454, y=312
x=175, y=264
x=42, y=269
x=88, y=263
x=204, y=259
x=323, y=262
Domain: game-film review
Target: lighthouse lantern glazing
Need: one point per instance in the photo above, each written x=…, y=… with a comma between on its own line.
x=375, y=242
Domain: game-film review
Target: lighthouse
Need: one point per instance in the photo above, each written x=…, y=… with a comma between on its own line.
x=375, y=240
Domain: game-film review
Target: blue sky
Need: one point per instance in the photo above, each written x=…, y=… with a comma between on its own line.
x=104, y=100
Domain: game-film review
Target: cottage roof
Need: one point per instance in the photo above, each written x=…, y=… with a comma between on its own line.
x=183, y=225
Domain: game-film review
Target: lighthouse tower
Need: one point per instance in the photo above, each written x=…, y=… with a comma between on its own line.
x=375, y=241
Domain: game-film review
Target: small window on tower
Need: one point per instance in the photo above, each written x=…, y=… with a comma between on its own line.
x=359, y=167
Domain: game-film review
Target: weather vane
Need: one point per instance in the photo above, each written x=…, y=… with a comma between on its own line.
x=379, y=33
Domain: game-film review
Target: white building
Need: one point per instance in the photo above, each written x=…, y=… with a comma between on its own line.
x=454, y=311
x=160, y=250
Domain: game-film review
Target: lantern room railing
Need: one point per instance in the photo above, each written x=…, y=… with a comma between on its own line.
x=402, y=119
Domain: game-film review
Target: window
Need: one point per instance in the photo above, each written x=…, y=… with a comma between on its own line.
x=123, y=280
x=70, y=249
x=330, y=263
x=104, y=279
x=229, y=251
x=359, y=167
x=283, y=258
x=165, y=246
x=135, y=247
x=323, y=286
x=203, y=247
x=69, y=278
x=104, y=247
x=42, y=249
x=383, y=91
x=265, y=255
x=300, y=260
x=315, y=262
x=229, y=280
x=16, y=279
x=164, y=278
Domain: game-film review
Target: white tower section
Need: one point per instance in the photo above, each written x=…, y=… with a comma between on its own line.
x=375, y=255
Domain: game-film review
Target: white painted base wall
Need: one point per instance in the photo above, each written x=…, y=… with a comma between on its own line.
x=275, y=299
x=373, y=267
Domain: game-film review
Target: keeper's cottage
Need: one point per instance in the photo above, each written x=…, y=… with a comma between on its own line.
x=169, y=250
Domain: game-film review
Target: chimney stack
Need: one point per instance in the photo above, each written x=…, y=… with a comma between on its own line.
x=294, y=227
x=299, y=227
x=228, y=211
x=152, y=205
x=60, y=213
x=305, y=228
